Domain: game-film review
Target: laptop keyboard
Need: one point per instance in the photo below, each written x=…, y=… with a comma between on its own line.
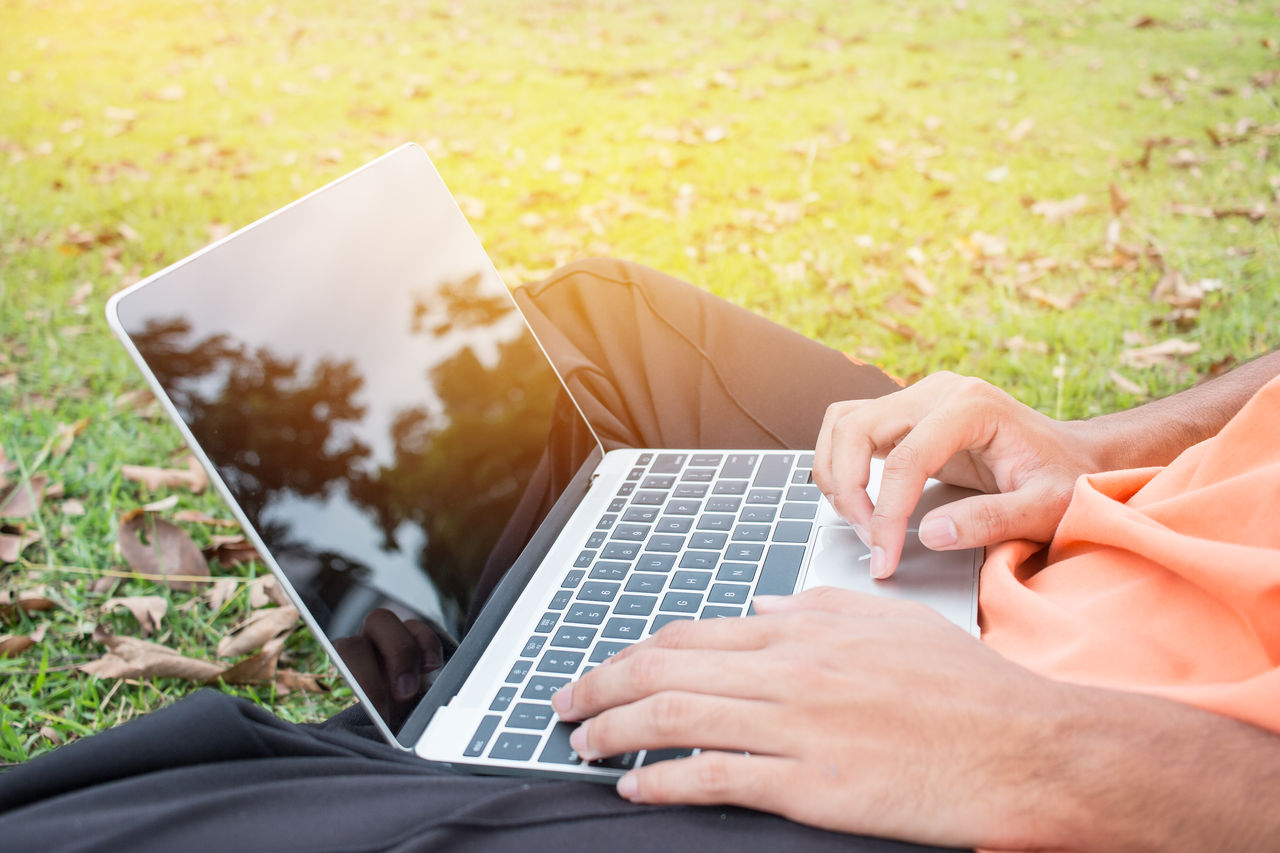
x=687, y=536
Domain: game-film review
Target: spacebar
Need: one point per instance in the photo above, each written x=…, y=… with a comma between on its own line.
x=780, y=570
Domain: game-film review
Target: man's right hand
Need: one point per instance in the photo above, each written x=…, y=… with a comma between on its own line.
x=965, y=432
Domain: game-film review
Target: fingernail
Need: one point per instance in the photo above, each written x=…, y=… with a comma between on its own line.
x=562, y=699
x=862, y=534
x=878, y=569
x=578, y=740
x=938, y=532
x=628, y=788
x=407, y=685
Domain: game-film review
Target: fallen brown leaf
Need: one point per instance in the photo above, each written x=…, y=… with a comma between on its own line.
x=220, y=591
x=231, y=550
x=67, y=434
x=266, y=590
x=73, y=507
x=24, y=498
x=1119, y=202
x=1165, y=352
x=158, y=549
x=256, y=669
x=13, y=544
x=262, y=626
x=12, y=645
x=192, y=477
x=28, y=601
x=129, y=657
x=147, y=609
x=194, y=516
x=291, y=681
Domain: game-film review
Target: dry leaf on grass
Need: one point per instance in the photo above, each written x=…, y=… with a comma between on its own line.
x=129, y=657
x=24, y=498
x=266, y=590
x=67, y=434
x=192, y=477
x=29, y=601
x=147, y=609
x=261, y=627
x=231, y=550
x=12, y=544
x=194, y=516
x=220, y=592
x=256, y=669
x=291, y=681
x=158, y=549
x=12, y=645
x=1165, y=352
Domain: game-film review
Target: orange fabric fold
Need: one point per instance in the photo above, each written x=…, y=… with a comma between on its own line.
x=1162, y=580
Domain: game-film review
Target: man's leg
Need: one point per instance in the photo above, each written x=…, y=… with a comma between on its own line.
x=215, y=772
x=656, y=362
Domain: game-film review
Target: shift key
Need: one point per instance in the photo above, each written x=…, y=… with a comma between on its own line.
x=781, y=569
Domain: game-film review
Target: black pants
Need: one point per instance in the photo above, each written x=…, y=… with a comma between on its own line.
x=653, y=362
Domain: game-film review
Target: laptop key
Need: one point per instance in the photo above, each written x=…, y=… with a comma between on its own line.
x=561, y=599
x=558, y=750
x=529, y=715
x=617, y=505
x=541, y=687
x=743, y=572
x=515, y=747
x=674, y=524
x=630, y=532
x=715, y=522
x=690, y=490
x=706, y=460
x=501, y=702
x=596, y=539
x=558, y=660
x=635, y=473
x=547, y=622
x=598, y=591
x=586, y=614
x=803, y=493
x=532, y=646
x=758, y=514
x=728, y=593
x=681, y=602
x=739, y=465
x=690, y=580
x=774, y=470
x=663, y=618
x=800, y=510
x=729, y=487
x=584, y=559
x=801, y=477
x=751, y=533
x=518, y=671
x=668, y=463
x=683, y=506
x=805, y=460
x=664, y=481
x=711, y=541
x=780, y=570
x=573, y=637
x=764, y=496
x=699, y=560
x=656, y=562
x=653, y=756
x=626, y=489
x=665, y=543
x=792, y=531
x=743, y=551
x=635, y=605
x=724, y=504
x=641, y=582
x=645, y=459
x=573, y=578
x=609, y=571
x=649, y=499
x=480, y=739
x=619, y=628
x=712, y=611
x=621, y=551
x=625, y=761
x=606, y=521
x=640, y=515
x=603, y=651
x=697, y=475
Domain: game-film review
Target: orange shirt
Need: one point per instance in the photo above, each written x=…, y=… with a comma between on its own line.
x=1161, y=580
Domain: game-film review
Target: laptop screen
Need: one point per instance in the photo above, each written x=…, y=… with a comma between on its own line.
x=364, y=385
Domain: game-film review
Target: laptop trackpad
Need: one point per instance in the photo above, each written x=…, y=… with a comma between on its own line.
x=944, y=580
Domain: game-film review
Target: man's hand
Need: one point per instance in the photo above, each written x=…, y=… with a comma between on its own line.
x=389, y=659
x=859, y=714
x=962, y=431
x=862, y=714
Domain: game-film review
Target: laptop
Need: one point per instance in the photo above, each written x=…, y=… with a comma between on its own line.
x=371, y=403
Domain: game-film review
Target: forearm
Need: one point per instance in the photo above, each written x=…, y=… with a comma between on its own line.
x=1151, y=774
x=1154, y=433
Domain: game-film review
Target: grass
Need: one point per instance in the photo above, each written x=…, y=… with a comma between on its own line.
x=801, y=159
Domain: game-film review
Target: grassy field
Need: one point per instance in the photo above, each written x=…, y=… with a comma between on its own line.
x=1076, y=200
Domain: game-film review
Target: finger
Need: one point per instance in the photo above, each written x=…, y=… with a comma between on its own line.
x=759, y=782
x=907, y=468
x=975, y=522
x=428, y=644
x=682, y=719
x=401, y=655
x=735, y=674
x=822, y=477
